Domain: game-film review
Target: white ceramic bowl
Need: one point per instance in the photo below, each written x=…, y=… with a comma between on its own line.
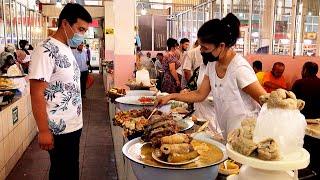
x=148, y=172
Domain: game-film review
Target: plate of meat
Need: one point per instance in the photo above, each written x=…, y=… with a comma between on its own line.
x=137, y=100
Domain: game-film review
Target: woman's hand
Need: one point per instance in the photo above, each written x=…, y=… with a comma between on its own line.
x=178, y=83
x=185, y=91
x=162, y=100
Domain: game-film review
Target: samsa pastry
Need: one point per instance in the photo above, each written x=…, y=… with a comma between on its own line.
x=282, y=99
x=175, y=139
x=268, y=150
x=240, y=143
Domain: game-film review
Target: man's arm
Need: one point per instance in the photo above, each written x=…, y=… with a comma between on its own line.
x=37, y=89
x=272, y=85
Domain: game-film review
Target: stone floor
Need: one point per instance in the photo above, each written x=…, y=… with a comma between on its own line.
x=96, y=147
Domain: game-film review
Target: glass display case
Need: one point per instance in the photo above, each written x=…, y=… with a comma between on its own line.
x=13, y=14
x=2, y=22
x=19, y=22
x=280, y=27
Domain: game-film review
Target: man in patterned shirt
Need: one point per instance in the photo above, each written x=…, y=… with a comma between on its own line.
x=55, y=93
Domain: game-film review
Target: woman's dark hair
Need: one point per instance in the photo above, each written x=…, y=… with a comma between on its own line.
x=171, y=43
x=30, y=47
x=71, y=12
x=23, y=43
x=310, y=68
x=218, y=31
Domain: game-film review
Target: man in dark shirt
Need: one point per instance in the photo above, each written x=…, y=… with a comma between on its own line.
x=308, y=89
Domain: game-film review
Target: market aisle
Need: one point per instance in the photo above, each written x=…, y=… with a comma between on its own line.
x=96, y=147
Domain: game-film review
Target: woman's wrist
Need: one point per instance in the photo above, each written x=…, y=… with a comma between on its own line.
x=173, y=96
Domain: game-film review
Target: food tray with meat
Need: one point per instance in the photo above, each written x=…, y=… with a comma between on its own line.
x=133, y=122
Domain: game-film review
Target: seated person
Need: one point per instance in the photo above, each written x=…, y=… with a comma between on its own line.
x=257, y=67
x=308, y=89
x=274, y=80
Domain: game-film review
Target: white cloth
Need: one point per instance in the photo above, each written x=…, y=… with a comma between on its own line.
x=158, y=67
x=54, y=63
x=205, y=109
x=231, y=103
x=180, y=70
x=193, y=59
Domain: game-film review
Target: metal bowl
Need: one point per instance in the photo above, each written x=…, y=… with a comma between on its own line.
x=146, y=172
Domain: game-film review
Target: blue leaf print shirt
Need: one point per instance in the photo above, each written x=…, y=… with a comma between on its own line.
x=54, y=63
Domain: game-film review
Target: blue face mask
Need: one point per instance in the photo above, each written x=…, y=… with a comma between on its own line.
x=76, y=39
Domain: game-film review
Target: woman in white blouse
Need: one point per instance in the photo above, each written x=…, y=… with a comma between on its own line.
x=228, y=77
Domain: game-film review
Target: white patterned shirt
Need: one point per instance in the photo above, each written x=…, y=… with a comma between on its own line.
x=54, y=63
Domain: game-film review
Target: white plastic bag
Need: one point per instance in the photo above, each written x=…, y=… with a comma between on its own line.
x=286, y=127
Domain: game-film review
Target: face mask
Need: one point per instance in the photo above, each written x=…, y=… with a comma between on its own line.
x=26, y=47
x=76, y=39
x=208, y=57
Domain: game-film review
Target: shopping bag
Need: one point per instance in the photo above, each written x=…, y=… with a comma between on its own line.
x=90, y=81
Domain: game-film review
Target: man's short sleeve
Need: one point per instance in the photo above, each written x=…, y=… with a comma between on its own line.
x=41, y=65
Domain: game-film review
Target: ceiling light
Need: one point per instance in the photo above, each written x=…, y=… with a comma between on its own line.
x=59, y=4
x=143, y=11
x=309, y=13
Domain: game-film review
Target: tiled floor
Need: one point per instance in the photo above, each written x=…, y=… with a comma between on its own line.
x=96, y=147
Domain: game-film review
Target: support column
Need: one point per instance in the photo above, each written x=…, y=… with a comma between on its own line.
x=109, y=24
x=124, y=41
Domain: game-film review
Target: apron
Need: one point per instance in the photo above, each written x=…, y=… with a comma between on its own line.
x=231, y=104
x=205, y=109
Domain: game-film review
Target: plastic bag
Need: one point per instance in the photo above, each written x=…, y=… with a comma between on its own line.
x=286, y=127
x=90, y=81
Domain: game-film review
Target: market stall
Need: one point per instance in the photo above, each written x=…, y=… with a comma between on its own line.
x=161, y=143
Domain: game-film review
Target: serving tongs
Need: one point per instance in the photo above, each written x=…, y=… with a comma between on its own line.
x=153, y=111
x=188, y=114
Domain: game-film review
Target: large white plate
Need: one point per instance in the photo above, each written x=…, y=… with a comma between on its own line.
x=140, y=93
x=295, y=160
x=133, y=100
x=186, y=124
x=174, y=164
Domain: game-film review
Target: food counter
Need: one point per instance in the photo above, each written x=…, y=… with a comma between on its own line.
x=124, y=169
x=17, y=130
x=166, y=150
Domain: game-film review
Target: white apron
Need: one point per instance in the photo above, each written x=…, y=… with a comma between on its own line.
x=205, y=109
x=231, y=104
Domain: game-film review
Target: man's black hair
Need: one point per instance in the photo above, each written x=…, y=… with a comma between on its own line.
x=71, y=12
x=257, y=64
x=184, y=40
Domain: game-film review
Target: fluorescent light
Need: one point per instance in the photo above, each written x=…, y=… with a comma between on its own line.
x=59, y=4
x=143, y=11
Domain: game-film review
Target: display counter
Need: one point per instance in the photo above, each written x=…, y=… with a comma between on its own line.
x=17, y=130
x=124, y=169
